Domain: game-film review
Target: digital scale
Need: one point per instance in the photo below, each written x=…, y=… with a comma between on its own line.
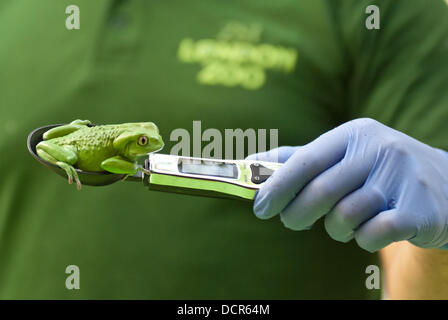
x=207, y=177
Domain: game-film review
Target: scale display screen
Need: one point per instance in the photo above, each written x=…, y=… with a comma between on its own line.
x=208, y=168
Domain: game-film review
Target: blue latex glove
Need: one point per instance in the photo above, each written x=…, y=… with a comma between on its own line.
x=371, y=183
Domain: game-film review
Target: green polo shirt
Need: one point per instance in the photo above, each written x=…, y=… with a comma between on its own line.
x=301, y=67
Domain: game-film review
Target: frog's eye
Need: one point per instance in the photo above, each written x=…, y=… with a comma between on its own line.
x=143, y=140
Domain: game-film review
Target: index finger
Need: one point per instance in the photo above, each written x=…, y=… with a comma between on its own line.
x=305, y=164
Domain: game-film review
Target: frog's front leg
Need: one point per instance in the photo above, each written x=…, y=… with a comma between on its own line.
x=65, y=129
x=63, y=157
x=119, y=165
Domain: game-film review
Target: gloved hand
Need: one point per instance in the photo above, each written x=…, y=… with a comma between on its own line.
x=371, y=183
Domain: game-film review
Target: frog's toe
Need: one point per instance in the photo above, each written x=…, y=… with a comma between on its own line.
x=75, y=176
x=68, y=170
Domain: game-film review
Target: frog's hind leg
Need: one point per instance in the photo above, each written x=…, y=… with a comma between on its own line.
x=65, y=129
x=63, y=157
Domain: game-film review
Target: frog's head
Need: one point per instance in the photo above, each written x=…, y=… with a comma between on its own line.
x=138, y=139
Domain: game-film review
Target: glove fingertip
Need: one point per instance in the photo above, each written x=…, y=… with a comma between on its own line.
x=262, y=156
x=252, y=156
x=261, y=209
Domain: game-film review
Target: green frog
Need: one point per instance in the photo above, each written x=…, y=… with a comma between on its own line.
x=113, y=148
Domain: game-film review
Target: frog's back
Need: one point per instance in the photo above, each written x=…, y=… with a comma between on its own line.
x=93, y=145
